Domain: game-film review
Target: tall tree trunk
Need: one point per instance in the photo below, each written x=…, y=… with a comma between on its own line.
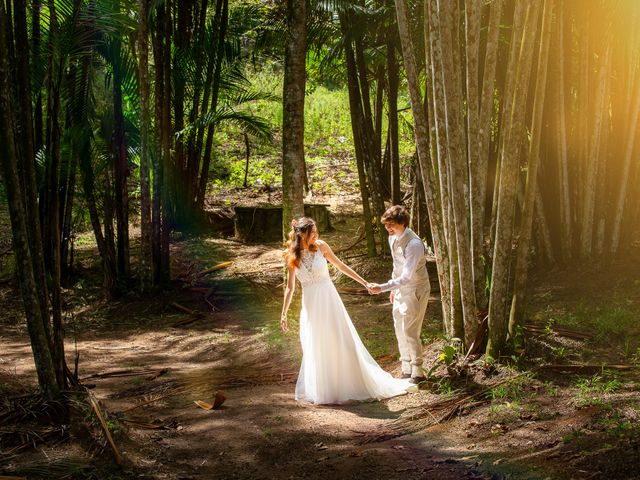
x=157, y=164
x=427, y=169
x=450, y=292
x=109, y=236
x=206, y=159
x=566, y=233
x=146, y=259
x=293, y=114
x=40, y=341
x=370, y=145
x=53, y=201
x=168, y=172
x=193, y=154
x=393, y=135
x=623, y=191
x=209, y=76
x=458, y=172
x=35, y=38
x=121, y=174
x=88, y=186
x=478, y=173
x=357, y=122
x=27, y=167
x=181, y=17
x=591, y=160
x=513, y=139
x=526, y=222
x=66, y=213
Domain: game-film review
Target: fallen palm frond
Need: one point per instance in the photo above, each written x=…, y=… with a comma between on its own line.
x=155, y=399
x=153, y=425
x=25, y=438
x=218, y=400
x=214, y=268
x=103, y=423
x=563, y=332
x=66, y=468
x=184, y=309
x=31, y=407
x=131, y=372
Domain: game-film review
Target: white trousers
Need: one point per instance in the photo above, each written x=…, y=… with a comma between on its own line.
x=409, y=307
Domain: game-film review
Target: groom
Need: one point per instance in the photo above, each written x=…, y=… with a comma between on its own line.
x=409, y=287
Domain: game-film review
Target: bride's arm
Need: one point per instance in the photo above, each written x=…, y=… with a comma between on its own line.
x=329, y=255
x=288, y=294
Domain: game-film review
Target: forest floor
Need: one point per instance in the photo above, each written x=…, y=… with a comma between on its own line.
x=148, y=359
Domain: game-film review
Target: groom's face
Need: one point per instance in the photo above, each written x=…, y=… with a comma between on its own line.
x=393, y=228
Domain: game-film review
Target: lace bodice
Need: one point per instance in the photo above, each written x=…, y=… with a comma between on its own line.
x=313, y=268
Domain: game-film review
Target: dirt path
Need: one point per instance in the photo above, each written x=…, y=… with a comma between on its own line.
x=260, y=431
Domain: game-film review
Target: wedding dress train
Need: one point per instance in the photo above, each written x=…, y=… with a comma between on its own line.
x=336, y=367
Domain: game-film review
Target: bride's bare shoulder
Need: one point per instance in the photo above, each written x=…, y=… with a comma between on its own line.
x=322, y=245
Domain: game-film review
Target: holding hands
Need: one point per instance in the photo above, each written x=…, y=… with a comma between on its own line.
x=373, y=288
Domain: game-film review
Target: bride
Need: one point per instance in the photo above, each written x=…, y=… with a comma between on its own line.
x=336, y=366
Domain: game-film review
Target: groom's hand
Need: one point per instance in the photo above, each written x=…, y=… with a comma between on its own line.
x=374, y=288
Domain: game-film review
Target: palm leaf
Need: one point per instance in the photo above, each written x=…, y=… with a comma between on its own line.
x=250, y=123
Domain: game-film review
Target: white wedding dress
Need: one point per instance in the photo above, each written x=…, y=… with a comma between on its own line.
x=336, y=367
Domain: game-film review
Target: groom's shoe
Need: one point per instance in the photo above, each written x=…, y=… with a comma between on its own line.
x=417, y=379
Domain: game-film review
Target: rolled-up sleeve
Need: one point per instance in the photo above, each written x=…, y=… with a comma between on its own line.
x=413, y=252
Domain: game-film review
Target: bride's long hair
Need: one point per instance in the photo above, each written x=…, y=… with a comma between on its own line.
x=293, y=252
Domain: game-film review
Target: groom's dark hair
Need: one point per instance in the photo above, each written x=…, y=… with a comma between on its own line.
x=396, y=214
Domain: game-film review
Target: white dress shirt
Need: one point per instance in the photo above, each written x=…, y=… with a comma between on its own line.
x=413, y=252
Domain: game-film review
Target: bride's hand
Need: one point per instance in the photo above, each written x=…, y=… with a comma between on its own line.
x=283, y=323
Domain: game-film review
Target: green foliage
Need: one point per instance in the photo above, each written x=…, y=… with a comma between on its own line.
x=618, y=425
x=327, y=121
x=505, y=412
x=513, y=390
x=487, y=363
x=445, y=387
x=561, y=352
x=635, y=357
x=448, y=357
x=615, y=319
x=591, y=390
x=574, y=434
x=550, y=389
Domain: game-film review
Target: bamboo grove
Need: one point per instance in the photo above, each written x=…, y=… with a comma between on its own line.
x=525, y=116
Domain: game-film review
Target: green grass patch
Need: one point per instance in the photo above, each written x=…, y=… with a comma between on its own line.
x=505, y=412
x=615, y=319
x=592, y=390
x=514, y=390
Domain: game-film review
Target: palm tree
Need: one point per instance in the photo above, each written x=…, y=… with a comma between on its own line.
x=293, y=169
